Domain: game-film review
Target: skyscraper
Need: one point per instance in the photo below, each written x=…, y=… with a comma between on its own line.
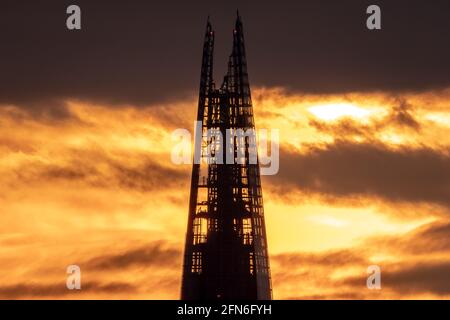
x=226, y=254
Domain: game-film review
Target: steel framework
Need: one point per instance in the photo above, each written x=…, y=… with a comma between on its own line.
x=226, y=253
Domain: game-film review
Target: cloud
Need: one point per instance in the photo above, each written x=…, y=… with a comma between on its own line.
x=147, y=177
x=123, y=55
x=24, y=290
x=98, y=170
x=401, y=117
x=155, y=254
x=337, y=258
x=414, y=263
x=407, y=278
x=420, y=278
x=431, y=238
x=104, y=275
x=333, y=296
x=350, y=169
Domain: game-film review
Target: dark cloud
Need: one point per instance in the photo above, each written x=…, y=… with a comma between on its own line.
x=346, y=128
x=435, y=237
x=148, y=177
x=337, y=258
x=428, y=239
x=84, y=168
x=174, y=116
x=159, y=255
x=24, y=290
x=401, y=116
x=315, y=269
x=333, y=296
x=139, y=52
x=347, y=169
x=418, y=268
x=154, y=254
x=426, y=277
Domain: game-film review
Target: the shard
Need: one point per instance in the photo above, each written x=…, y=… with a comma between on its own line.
x=226, y=255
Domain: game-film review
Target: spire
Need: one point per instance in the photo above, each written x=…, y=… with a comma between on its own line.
x=206, y=76
x=238, y=62
x=238, y=21
x=208, y=25
x=225, y=256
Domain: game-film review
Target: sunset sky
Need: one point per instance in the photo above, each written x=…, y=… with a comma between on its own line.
x=86, y=119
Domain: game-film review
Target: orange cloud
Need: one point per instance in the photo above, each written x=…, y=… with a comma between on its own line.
x=96, y=188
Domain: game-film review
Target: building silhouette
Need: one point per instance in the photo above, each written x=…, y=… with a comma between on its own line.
x=226, y=254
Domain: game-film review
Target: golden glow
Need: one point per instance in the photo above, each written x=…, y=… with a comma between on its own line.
x=101, y=183
x=335, y=111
